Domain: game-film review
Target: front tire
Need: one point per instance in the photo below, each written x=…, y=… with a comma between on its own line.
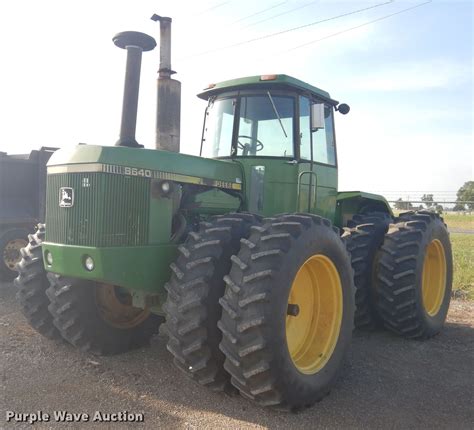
x=32, y=284
x=291, y=275
x=192, y=305
x=98, y=318
x=414, y=276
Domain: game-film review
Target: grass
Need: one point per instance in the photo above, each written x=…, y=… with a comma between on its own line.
x=463, y=256
x=459, y=221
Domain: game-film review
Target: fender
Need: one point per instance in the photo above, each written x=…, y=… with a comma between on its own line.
x=349, y=203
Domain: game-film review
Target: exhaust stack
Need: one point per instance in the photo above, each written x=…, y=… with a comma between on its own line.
x=168, y=107
x=135, y=43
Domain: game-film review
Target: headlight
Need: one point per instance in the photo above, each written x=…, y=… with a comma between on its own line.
x=89, y=263
x=49, y=258
x=165, y=187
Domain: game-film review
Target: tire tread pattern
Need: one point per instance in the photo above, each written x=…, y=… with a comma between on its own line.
x=32, y=283
x=196, y=285
x=243, y=323
x=397, y=274
x=363, y=236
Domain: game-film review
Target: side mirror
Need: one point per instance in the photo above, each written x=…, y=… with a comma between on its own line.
x=317, y=116
x=343, y=108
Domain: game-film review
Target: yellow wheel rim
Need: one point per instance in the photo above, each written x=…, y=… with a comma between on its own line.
x=433, y=285
x=314, y=314
x=11, y=252
x=115, y=307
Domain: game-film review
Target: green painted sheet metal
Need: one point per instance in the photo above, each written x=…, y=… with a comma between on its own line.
x=251, y=82
x=280, y=179
x=287, y=190
x=215, y=202
x=137, y=162
x=343, y=195
x=143, y=268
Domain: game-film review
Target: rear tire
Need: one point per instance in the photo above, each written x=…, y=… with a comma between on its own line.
x=32, y=284
x=192, y=305
x=11, y=242
x=83, y=319
x=364, y=237
x=273, y=278
x=414, y=275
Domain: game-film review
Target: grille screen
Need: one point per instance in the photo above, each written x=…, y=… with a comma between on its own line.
x=107, y=210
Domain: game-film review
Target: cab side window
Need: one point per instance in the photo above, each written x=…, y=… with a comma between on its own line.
x=324, y=149
x=305, y=129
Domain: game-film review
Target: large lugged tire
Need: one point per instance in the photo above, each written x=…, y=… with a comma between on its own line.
x=31, y=286
x=288, y=312
x=98, y=318
x=11, y=242
x=363, y=237
x=414, y=276
x=192, y=306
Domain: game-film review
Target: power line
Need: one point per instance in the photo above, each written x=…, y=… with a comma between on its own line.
x=259, y=12
x=267, y=36
x=359, y=26
x=282, y=13
x=212, y=8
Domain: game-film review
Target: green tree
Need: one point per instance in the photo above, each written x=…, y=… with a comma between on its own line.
x=427, y=199
x=466, y=194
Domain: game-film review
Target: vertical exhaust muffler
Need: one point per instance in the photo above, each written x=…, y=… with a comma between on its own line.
x=168, y=107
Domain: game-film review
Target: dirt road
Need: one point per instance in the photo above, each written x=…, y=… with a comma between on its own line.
x=387, y=383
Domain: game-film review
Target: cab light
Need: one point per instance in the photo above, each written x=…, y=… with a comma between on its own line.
x=268, y=77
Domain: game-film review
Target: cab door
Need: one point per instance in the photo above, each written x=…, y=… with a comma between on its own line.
x=317, y=179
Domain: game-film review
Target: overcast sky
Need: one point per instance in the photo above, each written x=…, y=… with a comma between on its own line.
x=407, y=78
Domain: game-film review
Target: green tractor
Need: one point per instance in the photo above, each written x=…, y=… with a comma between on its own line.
x=257, y=266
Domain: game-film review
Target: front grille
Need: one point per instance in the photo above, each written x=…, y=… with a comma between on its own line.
x=108, y=210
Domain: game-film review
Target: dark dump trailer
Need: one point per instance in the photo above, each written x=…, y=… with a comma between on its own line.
x=22, y=203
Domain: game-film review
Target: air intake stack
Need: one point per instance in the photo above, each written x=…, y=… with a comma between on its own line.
x=135, y=43
x=168, y=108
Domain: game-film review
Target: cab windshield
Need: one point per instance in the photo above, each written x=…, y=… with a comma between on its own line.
x=263, y=126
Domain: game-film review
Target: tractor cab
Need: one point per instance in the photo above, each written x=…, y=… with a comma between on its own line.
x=281, y=131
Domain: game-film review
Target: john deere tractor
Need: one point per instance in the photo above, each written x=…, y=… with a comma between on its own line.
x=257, y=264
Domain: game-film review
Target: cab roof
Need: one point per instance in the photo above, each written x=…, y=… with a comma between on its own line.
x=266, y=81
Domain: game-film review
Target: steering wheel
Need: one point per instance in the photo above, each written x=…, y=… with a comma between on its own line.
x=243, y=147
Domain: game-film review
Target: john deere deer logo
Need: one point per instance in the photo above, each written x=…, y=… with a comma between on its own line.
x=66, y=197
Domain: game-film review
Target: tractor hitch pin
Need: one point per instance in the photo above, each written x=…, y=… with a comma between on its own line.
x=293, y=310
x=135, y=43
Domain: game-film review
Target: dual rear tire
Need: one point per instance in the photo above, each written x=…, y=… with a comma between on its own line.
x=414, y=276
x=402, y=272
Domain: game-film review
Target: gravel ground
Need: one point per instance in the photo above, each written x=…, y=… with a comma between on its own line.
x=387, y=383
